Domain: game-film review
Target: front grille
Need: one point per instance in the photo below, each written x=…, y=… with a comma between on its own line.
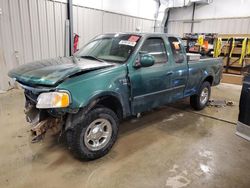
x=32, y=93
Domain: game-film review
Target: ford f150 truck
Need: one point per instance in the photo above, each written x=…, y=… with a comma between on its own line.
x=112, y=77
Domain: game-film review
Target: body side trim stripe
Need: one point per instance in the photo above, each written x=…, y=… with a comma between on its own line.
x=158, y=92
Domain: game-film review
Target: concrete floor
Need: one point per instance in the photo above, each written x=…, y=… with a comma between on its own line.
x=168, y=147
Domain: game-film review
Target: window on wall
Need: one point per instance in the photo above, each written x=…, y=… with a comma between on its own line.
x=156, y=48
x=176, y=49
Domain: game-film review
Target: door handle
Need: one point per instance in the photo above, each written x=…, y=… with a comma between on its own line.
x=169, y=73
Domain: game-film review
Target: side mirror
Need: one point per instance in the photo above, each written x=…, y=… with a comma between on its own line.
x=145, y=60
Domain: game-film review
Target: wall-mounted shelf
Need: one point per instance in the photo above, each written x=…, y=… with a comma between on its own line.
x=235, y=51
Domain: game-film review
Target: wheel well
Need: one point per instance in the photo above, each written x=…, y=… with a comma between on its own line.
x=112, y=103
x=209, y=79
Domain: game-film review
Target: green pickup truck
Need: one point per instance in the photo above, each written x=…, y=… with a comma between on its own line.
x=112, y=77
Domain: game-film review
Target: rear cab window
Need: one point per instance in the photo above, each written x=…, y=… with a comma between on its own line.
x=176, y=49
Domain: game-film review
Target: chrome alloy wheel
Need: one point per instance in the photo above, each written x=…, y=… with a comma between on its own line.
x=204, y=96
x=98, y=134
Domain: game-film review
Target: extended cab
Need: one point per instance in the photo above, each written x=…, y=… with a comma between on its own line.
x=112, y=77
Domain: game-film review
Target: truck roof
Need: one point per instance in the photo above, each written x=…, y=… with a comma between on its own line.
x=142, y=34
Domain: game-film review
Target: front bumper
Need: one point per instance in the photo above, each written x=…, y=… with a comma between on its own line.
x=42, y=120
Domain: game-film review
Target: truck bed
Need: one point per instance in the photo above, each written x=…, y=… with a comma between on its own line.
x=201, y=69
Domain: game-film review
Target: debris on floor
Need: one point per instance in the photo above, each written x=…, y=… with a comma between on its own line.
x=219, y=103
x=229, y=103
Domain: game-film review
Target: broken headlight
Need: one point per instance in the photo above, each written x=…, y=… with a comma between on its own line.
x=58, y=99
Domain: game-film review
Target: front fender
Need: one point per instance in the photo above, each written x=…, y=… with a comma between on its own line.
x=86, y=88
x=122, y=99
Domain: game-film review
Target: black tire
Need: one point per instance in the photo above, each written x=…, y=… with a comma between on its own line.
x=75, y=136
x=195, y=100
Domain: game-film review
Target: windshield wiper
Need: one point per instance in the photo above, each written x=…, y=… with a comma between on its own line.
x=92, y=57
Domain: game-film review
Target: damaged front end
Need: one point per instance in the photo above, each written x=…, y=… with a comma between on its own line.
x=41, y=120
x=39, y=125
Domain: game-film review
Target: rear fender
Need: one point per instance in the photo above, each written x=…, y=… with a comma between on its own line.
x=205, y=76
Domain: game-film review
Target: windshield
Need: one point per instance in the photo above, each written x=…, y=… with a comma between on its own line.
x=114, y=48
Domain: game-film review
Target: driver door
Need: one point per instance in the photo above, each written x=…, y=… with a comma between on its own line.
x=150, y=86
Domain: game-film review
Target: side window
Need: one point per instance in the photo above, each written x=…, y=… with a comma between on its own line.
x=176, y=49
x=156, y=48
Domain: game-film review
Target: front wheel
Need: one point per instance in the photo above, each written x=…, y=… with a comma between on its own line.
x=93, y=136
x=200, y=100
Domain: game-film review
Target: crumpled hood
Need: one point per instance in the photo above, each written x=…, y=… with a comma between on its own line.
x=51, y=71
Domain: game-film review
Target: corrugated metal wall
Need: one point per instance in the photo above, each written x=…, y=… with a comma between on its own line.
x=35, y=29
x=219, y=25
x=105, y=22
x=219, y=16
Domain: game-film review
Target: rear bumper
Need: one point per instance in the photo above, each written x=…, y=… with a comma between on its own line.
x=243, y=130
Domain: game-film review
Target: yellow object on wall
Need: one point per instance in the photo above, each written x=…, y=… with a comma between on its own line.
x=218, y=46
x=243, y=50
x=232, y=49
x=200, y=40
x=248, y=47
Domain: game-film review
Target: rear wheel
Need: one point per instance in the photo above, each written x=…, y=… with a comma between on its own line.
x=200, y=100
x=93, y=136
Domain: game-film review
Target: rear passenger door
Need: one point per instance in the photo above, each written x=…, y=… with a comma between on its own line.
x=150, y=86
x=180, y=68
